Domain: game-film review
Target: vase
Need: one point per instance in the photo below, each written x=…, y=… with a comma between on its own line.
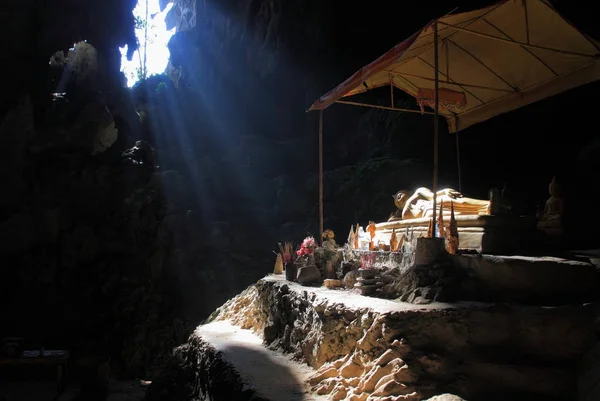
x=278, y=265
x=291, y=271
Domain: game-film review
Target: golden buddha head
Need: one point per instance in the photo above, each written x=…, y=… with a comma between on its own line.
x=400, y=198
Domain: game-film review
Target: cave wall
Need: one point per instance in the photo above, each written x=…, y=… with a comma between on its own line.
x=34, y=30
x=111, y=257
x=90, y=241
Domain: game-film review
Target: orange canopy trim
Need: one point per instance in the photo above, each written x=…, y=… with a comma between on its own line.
x=450, y=100
x=498, y=58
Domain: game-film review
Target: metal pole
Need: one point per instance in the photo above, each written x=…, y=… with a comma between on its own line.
x=392, y=90
x=320, y=176
x=436, y=124
x=375, y=106
x=515, y=42
x=458, y=162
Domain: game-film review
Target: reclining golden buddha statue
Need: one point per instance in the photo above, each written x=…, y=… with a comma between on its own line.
x=420, y=204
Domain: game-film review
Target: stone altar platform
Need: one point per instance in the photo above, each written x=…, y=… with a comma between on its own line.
x=485, y=234
x=531, y=280
x=366, y=349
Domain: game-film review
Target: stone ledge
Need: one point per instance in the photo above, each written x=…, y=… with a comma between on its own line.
x=223, y=362
x=539, y=280
x=474, y=350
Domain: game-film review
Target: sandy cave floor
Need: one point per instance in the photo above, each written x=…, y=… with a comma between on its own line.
x=271, y=374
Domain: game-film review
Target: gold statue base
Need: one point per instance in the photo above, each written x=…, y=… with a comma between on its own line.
x=485, y=234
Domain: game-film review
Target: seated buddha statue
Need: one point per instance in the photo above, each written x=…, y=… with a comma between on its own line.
x=554, y=207
x=420, y=204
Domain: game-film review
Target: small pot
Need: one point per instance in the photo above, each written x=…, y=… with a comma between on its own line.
x=366, y=273
x=291, y=271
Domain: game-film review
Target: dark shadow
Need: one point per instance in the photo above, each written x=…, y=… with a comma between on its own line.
x=85, y=380
x=236, y=373
x=28, y=382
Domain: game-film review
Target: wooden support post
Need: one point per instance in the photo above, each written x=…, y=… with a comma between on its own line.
x=392, y=91
x=436, y=123
x=375, y=106
x=458, y=162
x=321, y=229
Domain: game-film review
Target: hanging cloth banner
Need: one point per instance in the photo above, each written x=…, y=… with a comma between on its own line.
x=450, y=100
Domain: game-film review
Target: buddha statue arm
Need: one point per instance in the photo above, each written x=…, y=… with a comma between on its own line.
x=408, y=210
x=420, y=203
x=411, y=209
x=446, y=193
x=423, y=192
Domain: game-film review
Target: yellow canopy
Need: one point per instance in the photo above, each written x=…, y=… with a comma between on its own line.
x=491, y=61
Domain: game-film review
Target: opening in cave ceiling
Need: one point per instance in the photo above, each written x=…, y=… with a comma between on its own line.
x=151, y=31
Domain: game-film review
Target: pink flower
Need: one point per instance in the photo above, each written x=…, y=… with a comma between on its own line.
x=308, y=242
x=307, y=247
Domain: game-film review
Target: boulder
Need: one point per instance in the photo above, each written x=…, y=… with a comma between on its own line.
x=367, y=347
x=308, y=275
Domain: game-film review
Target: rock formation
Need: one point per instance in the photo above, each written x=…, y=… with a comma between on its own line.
x=94, y=227
x=367, y=349
x=90, y=229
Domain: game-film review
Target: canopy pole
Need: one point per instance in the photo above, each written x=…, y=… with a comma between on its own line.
x=375, y=106
x=392, y=90
x=320, y=176
x=522, y=44
x=436, y=124
x=458, y=161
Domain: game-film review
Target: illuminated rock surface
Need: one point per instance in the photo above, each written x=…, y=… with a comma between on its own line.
x=363, y=348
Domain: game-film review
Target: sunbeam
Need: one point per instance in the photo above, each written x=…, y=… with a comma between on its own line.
x=153, y=37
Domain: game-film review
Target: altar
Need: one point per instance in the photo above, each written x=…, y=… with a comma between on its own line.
x=464, y=224
x=504, y=235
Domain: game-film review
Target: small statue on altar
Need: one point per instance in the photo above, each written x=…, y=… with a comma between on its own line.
x=371, y=229
x=328, y=252
x=394, y=241
x=353, y=237
x=420, y=204
x=554, y=207
x=328, y=235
